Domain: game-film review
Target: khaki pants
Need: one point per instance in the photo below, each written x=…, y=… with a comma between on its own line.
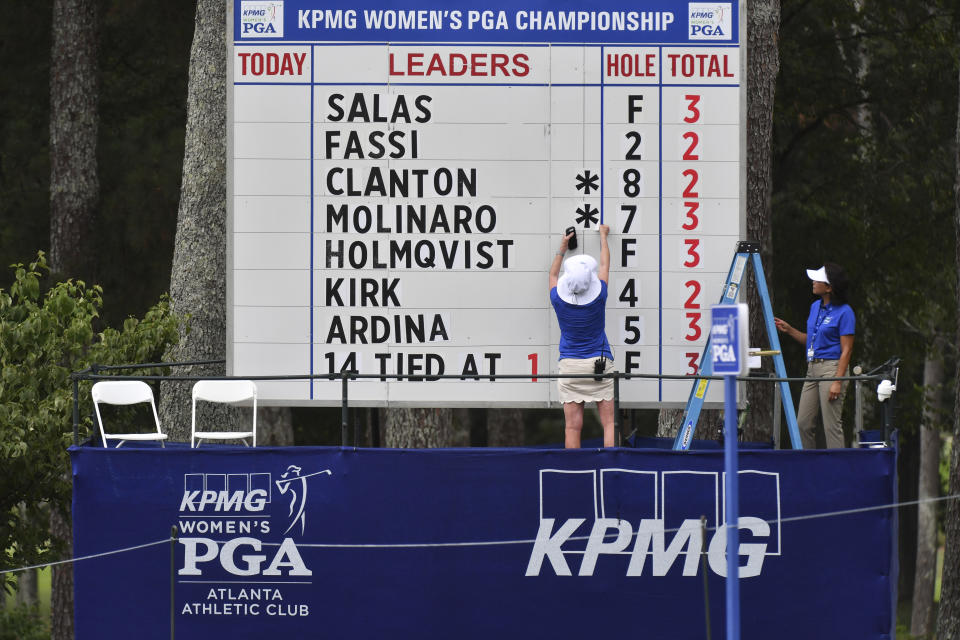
x=815, y=399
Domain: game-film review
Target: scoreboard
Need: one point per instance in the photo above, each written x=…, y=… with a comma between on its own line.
x=400, y=177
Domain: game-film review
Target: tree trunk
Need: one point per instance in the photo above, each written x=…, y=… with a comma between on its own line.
x=61, y=578
x=74, y=194
x=26, y=588
x=505, y=428
x=948, y=621
x=709, y=423
x=198, y=273
x=418, y=428
x=74, y=186
x=26, y=580
x=668, y=423
x=921, y=617
x=763, y=65
x=274, y=427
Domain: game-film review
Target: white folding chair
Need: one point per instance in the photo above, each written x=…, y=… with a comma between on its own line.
x=226, y=391
x=125, y=392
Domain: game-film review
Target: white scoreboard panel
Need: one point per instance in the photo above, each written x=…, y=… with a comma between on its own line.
x=400, y=178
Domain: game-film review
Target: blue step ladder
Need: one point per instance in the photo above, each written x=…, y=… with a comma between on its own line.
x=748, y=253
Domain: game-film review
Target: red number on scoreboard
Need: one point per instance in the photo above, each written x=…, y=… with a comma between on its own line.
x=693, y=257
x=692, y=358
x=694, y=326
x=691, y=302
x=694, y=141
x=693, y=176
x=691, y=216
x=694, y=113
x=532, y=357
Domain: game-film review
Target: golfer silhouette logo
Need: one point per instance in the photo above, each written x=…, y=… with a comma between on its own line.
x=298, y=501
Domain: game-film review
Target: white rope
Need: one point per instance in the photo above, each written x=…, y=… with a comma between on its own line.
x=826, y=514
x=89, y=557
x=488, y=543
x=844, y=512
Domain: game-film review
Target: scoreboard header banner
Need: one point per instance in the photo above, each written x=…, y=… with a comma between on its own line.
x=399, y=180
x=560, y=22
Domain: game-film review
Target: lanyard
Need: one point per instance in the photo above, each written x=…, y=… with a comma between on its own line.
x=821, y=316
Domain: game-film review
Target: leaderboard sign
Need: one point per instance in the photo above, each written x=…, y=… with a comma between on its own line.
x=400, y=178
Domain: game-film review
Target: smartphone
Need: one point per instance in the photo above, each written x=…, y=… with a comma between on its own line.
x=572, y=243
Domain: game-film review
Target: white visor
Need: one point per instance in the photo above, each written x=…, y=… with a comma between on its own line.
x=818, y=275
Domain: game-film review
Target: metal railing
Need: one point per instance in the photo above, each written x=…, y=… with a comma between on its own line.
x=96, y=372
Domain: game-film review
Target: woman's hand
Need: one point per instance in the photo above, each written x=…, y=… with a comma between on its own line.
x=782, y=325
x=836, y=388
x=604, y=229
x=565, y=241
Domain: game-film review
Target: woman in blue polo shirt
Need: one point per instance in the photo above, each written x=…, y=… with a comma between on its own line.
x=829, y=342
x=579, y=298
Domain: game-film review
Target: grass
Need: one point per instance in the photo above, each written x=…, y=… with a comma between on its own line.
x=939, y=574
x=905, y=608
x=43, y=593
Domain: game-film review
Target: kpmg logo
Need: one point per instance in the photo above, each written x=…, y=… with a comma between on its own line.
x=261, y=19
x=709, y=21
x=237, y=492
x=239, y=504
x=620, y=518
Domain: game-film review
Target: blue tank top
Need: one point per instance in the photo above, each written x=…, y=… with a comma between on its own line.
x=582, y=333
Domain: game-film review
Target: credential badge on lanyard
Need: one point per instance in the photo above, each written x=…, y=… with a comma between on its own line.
x=821, y=316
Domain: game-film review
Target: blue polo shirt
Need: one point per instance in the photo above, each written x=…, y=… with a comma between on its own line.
x=825, y=326
x=582, y=332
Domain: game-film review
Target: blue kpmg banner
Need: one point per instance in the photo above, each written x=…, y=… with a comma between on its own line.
x=477, y=543
x=657, y=21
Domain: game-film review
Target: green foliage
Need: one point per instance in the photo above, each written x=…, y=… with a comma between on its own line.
x=945, y=466
x=24, y=623
x=43, y=338
x=864, y=128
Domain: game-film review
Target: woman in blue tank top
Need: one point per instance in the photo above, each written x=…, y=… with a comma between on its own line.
x=579, y=298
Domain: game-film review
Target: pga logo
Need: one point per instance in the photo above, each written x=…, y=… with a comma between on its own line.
x=723, y=353
x=261, y=19
x=710, y=21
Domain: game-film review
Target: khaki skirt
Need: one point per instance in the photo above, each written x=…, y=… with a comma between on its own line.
x=583, y=389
